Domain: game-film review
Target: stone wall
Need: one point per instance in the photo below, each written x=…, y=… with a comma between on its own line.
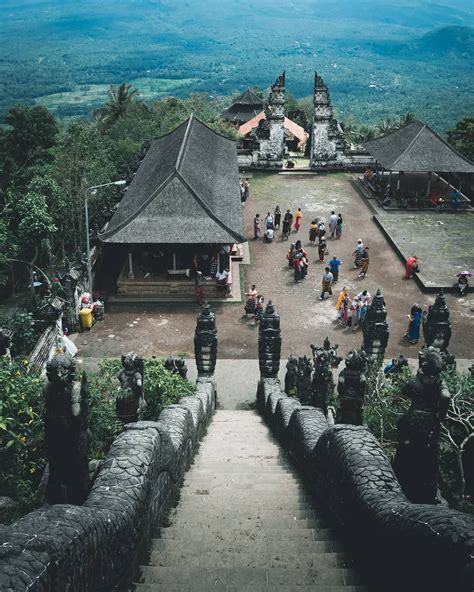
x=95, y=546
x=400, y=545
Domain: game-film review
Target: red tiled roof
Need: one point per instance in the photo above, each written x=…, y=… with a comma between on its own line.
x=300, y=134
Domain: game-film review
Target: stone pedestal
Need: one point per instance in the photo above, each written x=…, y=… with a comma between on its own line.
x=375, y=329
x=437, y=327
x=351, y=387
x=269, y=343
x=205, y=341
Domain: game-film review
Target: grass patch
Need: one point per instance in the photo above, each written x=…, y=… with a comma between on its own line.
x=93, y=95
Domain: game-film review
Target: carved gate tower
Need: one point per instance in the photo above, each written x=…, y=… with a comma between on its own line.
x=271, y=132
x=328, y=143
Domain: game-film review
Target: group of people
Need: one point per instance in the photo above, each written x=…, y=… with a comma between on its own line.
x=351, y=311
x=298, y=260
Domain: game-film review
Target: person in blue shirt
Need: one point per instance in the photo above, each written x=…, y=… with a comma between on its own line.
x=456, y=199
x=334, y=267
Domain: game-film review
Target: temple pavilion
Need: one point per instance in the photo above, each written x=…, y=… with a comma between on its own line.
x=243, y=109
x=181, y=213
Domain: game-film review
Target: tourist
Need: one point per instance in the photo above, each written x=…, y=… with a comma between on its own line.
x=358, y=253
x=290, y=256
x=321, y=230
x=411, y=267
x=313, y=231
x=246, y=189
x=222, y=277
x=334, y=264
x=251, y=303
x=332, y=223
x=277, y=218
x=353, y=319
x=199, y=283
x=298, y=219
x=364, y=263
x=363, y=298
x=269, y=220
x=259, y=309
x=242, y=192
x=298, y=268
x=456, y=199
x=415, y=316
x=256, y=227
x=269, y=235
x=322, y=249
x=339, y=227
x=287, y=222
x=342, y=306
x=326, y=283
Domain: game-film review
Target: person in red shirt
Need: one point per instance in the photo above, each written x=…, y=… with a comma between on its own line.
x=411, y=267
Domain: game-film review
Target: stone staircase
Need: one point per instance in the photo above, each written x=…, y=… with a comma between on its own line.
x=245, y=523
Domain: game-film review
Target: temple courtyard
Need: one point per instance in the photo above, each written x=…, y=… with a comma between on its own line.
x=168, y=328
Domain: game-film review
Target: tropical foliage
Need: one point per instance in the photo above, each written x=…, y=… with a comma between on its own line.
x=22, y=447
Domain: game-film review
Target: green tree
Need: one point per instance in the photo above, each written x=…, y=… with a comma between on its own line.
x=82, y=158
x=120, y=99
x=35, y=228
x=462, y=137
x=33, y=131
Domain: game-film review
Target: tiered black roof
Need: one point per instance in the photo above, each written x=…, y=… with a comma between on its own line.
x=185, y=191
x=417, y=148
x=244, y=108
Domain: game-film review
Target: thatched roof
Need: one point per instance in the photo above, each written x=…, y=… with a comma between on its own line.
x=185, y=191
x=417, y=148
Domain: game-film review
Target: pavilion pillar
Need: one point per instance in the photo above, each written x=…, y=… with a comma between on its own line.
x=428, y=189
x=390, y=179
x=399, y=179
x=174, y=260
x=131, y=275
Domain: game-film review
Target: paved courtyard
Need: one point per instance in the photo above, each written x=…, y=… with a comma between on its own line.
x=168, y=329
x=441, y=241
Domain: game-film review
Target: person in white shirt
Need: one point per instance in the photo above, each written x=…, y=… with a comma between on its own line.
x=332, y=223
x=269, y=235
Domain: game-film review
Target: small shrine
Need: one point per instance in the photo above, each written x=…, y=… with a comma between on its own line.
x=181, y=217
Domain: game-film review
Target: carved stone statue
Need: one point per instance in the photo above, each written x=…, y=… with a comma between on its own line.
x=269, y=342
x=375, y=328
x=66, y=426
x=205, y=341
x=176, y=366
x=181, y=368
x=291, y=374
x=351, y=387
x=417, y=457
x=334, y=359
x=303, y=380
x=323, y=381
x=131, y=404
x=437, y=327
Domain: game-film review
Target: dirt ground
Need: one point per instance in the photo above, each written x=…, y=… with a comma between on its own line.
x=168, y=329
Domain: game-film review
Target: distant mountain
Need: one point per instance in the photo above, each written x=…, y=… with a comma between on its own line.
x=455, y=39
x=452, y=41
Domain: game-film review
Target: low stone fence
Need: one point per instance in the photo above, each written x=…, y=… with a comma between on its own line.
x=95, y=546
x=400, y=545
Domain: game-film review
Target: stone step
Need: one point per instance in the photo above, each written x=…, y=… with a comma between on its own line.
x=244, y=588
x=209, y=511
x=220, y=523
x=195, y=536
x=245, y=557
x=237, y=578
x=263, y=499
x=244, y=467
x=237, y=488
x=227, y=478
x=279, y=547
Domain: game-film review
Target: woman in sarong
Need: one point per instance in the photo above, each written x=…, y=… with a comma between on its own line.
x=415, y=316
x=251, y=303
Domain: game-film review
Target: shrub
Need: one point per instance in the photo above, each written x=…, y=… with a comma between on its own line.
x=22, y=454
